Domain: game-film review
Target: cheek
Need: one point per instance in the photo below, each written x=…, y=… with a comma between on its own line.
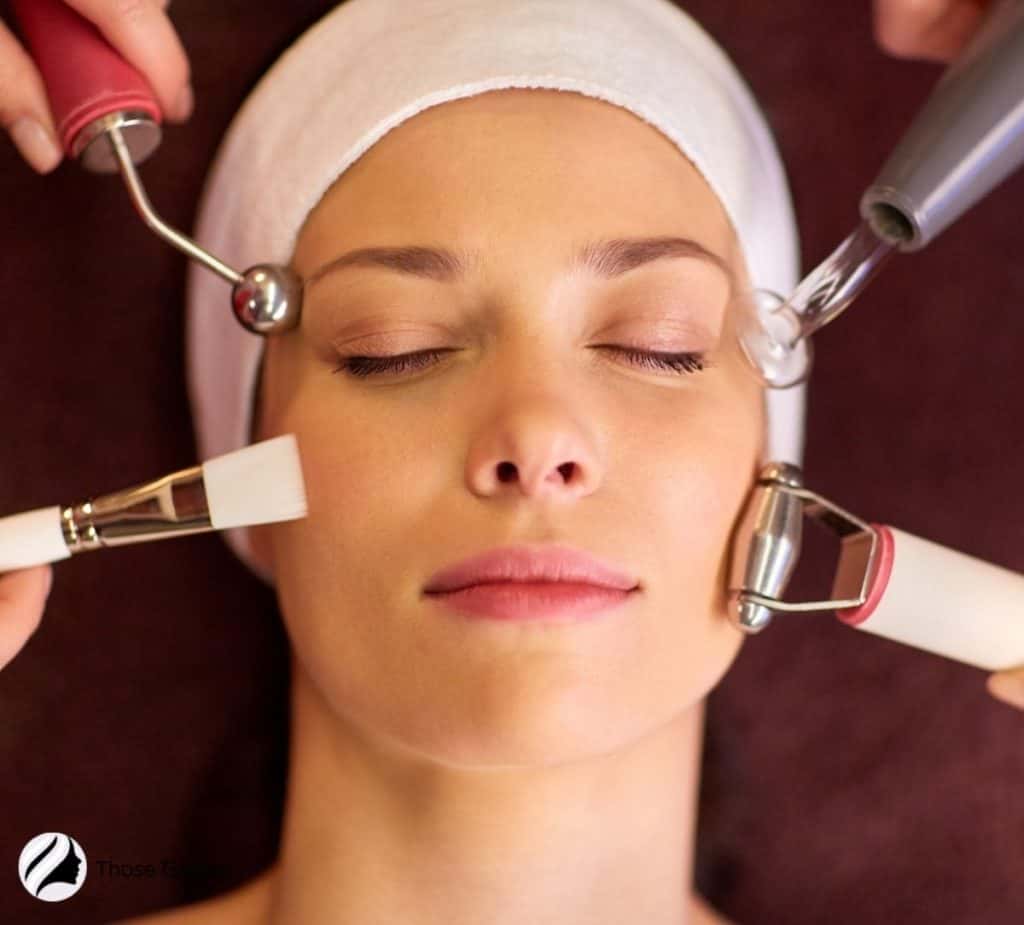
x=371, y=479
x=684, y=509
x=689, y=484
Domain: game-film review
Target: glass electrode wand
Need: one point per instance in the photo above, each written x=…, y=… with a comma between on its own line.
x=965, y=141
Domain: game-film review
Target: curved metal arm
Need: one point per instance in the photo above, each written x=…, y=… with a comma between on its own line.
x=142, y=205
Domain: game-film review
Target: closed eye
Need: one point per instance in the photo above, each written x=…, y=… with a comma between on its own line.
x=364, y=366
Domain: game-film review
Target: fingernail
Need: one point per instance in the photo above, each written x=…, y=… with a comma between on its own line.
x=36, y=144
x=185, y=103
x=1008, y=688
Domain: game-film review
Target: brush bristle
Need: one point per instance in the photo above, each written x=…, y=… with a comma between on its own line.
x=258, y=484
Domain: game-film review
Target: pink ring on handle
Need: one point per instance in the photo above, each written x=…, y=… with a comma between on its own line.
x=86, y=78
x=886, y=550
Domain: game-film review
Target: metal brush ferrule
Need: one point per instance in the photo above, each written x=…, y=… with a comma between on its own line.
x=767, y=549
x=174, y=505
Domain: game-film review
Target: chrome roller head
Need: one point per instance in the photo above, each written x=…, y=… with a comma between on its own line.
x=268, y=299
x=767, y=546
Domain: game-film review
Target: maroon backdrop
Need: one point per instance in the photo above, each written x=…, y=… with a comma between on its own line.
x=849, y=777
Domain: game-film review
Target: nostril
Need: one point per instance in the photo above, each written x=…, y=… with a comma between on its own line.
x=566, y=470
x=506, y=472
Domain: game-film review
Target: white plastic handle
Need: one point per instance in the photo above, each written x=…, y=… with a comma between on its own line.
x=32, y=538
x=934, y=598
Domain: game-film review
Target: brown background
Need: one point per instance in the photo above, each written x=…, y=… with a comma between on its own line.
x=850, y=777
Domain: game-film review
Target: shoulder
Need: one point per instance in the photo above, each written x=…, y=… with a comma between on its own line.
x=242, y=906
x=702, y=913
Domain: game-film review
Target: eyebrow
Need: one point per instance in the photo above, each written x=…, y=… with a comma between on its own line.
x=606, y=259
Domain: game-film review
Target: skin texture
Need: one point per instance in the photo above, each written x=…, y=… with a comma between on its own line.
x=552, y=766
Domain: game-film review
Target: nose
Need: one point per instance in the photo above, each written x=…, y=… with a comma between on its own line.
x=539, y=451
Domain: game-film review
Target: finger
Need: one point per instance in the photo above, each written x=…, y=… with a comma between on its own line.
x=23, y=595
x=142, y=32
x=1007, y=686
x=24, y=110
x=933, y=30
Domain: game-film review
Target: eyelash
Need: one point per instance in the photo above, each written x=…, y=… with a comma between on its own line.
x=363, y=367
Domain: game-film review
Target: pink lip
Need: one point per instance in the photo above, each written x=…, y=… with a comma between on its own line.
x=542, y=563
x=545, y=600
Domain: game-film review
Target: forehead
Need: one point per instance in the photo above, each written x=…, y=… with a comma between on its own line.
x=516, y=170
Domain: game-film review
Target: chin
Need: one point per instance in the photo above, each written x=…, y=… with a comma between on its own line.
x=545, y=730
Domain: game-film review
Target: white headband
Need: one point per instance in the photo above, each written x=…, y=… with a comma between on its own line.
x=369, y=65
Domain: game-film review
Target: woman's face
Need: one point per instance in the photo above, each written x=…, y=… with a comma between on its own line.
x=530, y=427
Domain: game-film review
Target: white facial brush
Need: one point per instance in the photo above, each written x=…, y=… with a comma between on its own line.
x=257, y=484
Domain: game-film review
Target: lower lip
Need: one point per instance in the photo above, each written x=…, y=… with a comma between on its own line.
x=518, y=600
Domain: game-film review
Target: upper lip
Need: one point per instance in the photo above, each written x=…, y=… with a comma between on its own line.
x=530, y=563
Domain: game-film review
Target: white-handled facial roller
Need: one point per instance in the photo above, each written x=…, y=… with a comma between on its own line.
x=888, y=582
x=934, y=598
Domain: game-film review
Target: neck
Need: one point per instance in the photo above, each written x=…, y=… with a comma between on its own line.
x=374, y=833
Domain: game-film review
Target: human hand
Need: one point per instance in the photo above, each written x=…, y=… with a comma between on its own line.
x=935, y=30
x=23, y=595
x=139, y=29
x=1008, y=686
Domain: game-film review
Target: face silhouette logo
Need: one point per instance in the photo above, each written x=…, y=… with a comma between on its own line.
x=52, y=866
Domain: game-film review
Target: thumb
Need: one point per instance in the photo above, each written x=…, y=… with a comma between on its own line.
x=1008, y=686
x=23, y=595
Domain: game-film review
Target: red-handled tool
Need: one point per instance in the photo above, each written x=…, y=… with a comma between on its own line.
x=109, y=119
x=90, y=86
